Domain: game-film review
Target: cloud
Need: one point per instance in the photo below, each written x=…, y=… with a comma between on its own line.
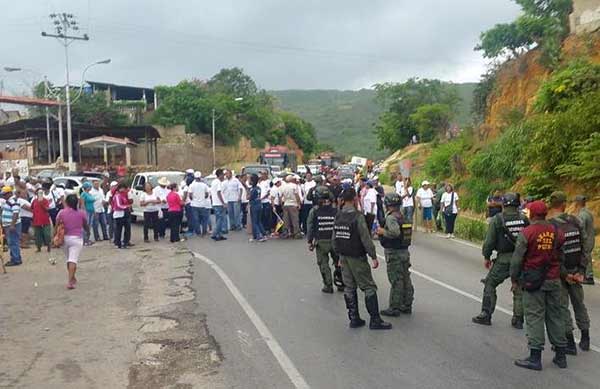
x=343, y=44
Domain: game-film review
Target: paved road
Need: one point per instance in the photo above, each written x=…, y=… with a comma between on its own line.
x=436, y=347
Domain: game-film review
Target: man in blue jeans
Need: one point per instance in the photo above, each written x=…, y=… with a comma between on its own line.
x=233, y=194
x=11, y=223
x=218, y=205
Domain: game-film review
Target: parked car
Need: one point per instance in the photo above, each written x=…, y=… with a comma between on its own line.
x=140, y=179
x=209, y=179
x=314, y=169
x=256, y=169
x=72, y=183
x=48, y=174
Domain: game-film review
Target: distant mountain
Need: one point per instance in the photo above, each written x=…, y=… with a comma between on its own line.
x=345, y=119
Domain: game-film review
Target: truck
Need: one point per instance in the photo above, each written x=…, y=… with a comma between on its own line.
x=280, y=156
x=330, y=159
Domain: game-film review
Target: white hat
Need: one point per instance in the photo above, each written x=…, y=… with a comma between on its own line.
x=425, y=183
x=197, y=174
x=114, y=183
x=190, y=171
x=163, y=181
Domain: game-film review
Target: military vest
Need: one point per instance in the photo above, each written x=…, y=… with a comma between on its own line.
x=573, y=246
x=325, y=218
x=403, y=241
x=347, y=238
x=512, y=226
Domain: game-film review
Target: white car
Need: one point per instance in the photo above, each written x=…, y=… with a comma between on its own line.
x=301, y=169
x=140, y=179
x=72, y=183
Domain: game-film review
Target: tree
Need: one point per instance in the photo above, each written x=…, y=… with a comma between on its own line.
x=233, y=82
x=92, y=109
x=431, y=120
x=395, y=126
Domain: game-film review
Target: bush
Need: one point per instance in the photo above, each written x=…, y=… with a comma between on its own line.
x=476, y=194
x=438, y=166
x=473, y=230
x=584, y=166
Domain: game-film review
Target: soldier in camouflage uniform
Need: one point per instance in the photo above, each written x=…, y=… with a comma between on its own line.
x=319, y=230
x=573, y=274
x=395, y=238
x=587, y=222
x=501, y=236
x=352, y=241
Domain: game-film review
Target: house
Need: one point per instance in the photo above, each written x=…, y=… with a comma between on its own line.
x=132, y=100
x=7, y=116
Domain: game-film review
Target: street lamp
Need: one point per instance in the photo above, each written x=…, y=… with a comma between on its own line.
x=103, y=62
x=214, y=119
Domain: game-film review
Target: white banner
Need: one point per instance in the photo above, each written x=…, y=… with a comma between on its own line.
x=20, y=164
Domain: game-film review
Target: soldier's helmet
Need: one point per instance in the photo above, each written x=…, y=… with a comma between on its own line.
x=511, y=200
x=392, y=200
x=322, y=193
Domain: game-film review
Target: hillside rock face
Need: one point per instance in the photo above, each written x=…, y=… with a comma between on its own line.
x=519, y=80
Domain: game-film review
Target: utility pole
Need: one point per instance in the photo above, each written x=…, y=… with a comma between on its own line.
x=214, y=149
x=63, y=24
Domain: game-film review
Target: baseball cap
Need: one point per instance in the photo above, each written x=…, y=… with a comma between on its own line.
x=537, y=208
x=7, y=189
x=197, y=174
x=425, y=183
x=558, y=197
x=114, y=183
x=190, y=171
x=87, y=185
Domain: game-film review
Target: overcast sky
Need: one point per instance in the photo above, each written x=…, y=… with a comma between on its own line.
x=282, y=44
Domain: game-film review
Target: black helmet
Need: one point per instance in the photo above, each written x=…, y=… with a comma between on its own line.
x=392, y=200
x=322, y=193
x=511, y=200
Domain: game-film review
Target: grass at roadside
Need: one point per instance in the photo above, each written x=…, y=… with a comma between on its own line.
x=473, y=230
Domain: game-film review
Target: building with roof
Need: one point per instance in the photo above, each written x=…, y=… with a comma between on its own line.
x=133, y=101
x=9, y=116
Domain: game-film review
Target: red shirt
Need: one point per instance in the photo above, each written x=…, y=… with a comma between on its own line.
x=41, y=217
x=121, y=171
x=542, y=248
x=174, y=201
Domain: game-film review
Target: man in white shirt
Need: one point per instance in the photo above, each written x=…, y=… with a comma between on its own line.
x=233, y=195
x=98, y=195
x=369, y=202
x=425, y=201
x=184, y=194
x=161, y=192
x=307, y=205
x=244, y=201
x=290, y=197
x=399, y=184
x=218, y=206
x=199, y=196
x=265, y=199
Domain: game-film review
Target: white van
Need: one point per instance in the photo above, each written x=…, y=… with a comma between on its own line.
x=140, y=179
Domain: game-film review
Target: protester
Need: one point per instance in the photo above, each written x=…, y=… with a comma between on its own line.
x=232, y=193
x=276, y=201
x=88, y=200
x=175, y=203
x=11, y=223
x=121, y=215
x=254, y=199
x=184, y=191
x=425, y=201
x=199, y=194
x=100, y=214
x=161, y=192
x=244, y=201
x=26, y=216
x=307, y=205
x=109, y=211
x=450, y=209
x=380, y=195
x=265, y=192
x=408, y=201
x=369, y=202
x=291, y=201
x=40, y=207
x=52, y=201
x=121, y=170
x=75, y=224
x=150, y=203
x=218, y=206
x=437, y=205
x=399, y=185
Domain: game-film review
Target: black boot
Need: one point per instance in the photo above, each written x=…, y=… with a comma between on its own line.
x=533, y=362
x=392, y=312
x=517, y=322
x=483, y=318
x=571, y=348
x=584, y=344
x=373, y=308
x=327, y=289
x=352, y=306
x=560, y=359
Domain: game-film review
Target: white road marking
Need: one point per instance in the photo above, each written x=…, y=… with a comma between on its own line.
x=284, y=361
x=466, y=294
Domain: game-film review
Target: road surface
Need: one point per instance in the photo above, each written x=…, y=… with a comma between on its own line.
x=275, y=328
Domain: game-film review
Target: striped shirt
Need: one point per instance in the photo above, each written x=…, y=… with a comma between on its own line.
x=10, y=207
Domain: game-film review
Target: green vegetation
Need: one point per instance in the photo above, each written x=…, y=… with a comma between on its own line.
x=414, y=106
x=240, y=108
x=544, y=24
x=473, y=230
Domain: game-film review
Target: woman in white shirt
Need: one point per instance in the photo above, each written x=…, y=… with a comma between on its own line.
x=151, y=205
x=449, y=204
x=408, y=202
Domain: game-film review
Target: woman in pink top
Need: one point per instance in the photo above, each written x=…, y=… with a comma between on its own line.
x=74, y=222
x=175, y=204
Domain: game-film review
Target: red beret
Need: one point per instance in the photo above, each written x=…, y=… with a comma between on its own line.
x=537, y=208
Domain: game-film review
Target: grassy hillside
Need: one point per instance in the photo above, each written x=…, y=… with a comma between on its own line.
x=345, y=119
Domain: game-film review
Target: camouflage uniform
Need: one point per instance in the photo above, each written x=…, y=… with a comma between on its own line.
x=587, y=222
x=324, y=250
